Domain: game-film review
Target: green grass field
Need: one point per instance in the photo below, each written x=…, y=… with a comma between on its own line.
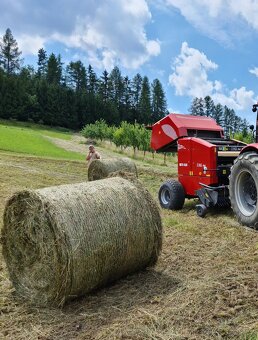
x=33, y=141
x=57, y=132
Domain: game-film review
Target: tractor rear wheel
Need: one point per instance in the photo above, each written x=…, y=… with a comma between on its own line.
x=172, y=195
x=243, y=187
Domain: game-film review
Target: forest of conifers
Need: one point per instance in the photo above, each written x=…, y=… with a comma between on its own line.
x=72, y=95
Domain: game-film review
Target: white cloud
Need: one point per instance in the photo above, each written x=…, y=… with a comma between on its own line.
x=30, y=44
x=137, y=8
x=247, y=9
x=221, y=20
x=254, y=71
x=190, y=78
x=153, y=47
x=243, y=97
x=107, y=32
x=237, y=99
x=114, y=33
x=109, y=58
x=190, y=73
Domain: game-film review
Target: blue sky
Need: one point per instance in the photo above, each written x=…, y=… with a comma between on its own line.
x=195, y=47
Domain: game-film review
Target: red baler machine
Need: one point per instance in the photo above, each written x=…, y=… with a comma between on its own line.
x=205, y=158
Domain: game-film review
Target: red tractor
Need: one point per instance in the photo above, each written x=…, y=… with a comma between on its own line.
x=217, y=170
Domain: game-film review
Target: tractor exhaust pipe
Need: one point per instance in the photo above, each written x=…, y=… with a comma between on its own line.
x=254, y=109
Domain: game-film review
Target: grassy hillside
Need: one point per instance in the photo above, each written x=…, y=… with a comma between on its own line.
x=33, y=140
x=57, y=132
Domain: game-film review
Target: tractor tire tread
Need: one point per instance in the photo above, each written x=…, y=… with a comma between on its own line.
x=177, y=194
x=244, y=160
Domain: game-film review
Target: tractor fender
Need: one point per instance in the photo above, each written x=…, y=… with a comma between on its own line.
x=250, y=147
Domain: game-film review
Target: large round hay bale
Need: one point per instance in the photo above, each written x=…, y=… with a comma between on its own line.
x=102, y=168
x=62, y=242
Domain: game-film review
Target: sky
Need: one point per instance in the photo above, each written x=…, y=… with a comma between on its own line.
x=194, y=47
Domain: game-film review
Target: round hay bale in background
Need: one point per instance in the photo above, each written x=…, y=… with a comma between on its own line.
x=102, y=168
x=62, y=242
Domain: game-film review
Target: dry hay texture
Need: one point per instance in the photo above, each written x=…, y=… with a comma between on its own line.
x=102, y=168
x=65, y=241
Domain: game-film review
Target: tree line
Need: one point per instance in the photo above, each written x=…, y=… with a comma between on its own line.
x=224, y=116
x=125, y=135
x=73, y=95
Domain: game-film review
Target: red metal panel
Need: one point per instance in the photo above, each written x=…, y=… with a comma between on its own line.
x=197, y=162
x=184, y=156
x=163, y=133
x=175, y=126
x=184, y=122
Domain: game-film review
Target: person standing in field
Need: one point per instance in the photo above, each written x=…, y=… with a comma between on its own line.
x=92, y=155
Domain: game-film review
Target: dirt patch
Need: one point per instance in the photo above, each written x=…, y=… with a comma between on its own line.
x=76, y=144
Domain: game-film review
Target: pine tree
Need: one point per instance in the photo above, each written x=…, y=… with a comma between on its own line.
x=93, y=102
x=200, y=107
x=193, y=108
x=54, y=69
x=108, y=108
x=29, y=106
x=158, y=101
x=136, y=87
x=42, y=96
x=145, y=102
x=42, y=62
x=127, y=100
x=9, y=53
x=228, y=118
x=104, y=87
x=92, y=81
x=218, y=114
x=2, y=84
x=209, y=106
x=76, y=75
x=233, y=120
x=244, y=127
x=117, y=86
x=60, y=68
x=136, y=90
x=237, y=124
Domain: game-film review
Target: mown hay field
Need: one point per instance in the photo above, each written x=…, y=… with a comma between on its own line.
x=204, y=286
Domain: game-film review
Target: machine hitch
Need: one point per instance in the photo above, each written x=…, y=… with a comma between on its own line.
x=211, y=197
